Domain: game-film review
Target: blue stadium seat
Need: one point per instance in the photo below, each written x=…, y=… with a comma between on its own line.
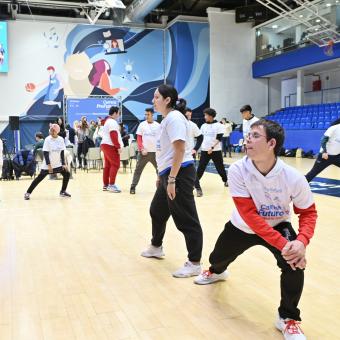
x=308, y=125
x=320, y=125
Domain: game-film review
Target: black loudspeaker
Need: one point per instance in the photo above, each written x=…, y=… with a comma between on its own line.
x=14, y=122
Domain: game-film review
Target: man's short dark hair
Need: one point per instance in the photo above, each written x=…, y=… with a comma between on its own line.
x=39, y=135
x=149, y=109
x=246, y=108
x=113, y=110
x=187, y=109
x=273, y=130
x=210, y=112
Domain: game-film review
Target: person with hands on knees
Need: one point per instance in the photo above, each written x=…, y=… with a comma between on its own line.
x=111, y=146
x=53, y=163
x=262, y=187
x=176, y=175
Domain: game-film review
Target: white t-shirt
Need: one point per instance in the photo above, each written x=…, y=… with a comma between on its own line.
x=194, y=133
x=54, y=146
x=227, y=129
x=173, y=127
x=111, y=125
x=333, y=144
x=246, y=124
x=209, y=132
x=149, y=133
x=272, y=194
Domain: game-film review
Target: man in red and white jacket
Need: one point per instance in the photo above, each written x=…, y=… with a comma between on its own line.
x=262, y=187
x=111, y=146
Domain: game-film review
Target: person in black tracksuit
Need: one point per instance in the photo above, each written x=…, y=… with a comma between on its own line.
x=212, y=132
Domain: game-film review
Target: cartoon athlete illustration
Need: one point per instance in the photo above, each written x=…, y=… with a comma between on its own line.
x=100, y=77
x=54, y=86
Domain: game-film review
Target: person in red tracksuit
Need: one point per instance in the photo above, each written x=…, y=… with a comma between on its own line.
x=263, y=187
x=111, y=146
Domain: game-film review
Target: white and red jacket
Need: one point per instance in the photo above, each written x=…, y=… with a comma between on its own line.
x=111, y=134
x=263, y=202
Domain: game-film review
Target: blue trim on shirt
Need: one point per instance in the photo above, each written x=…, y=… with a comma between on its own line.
x=183, y=165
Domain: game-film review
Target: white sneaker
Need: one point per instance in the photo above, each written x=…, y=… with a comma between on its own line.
x=290, y=329
x=207, y=277
x=114, y=188
x=153, y=251
x=189, y=269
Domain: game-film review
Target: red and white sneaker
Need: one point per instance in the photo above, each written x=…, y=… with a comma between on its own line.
x=290, y=329
x=206, y=277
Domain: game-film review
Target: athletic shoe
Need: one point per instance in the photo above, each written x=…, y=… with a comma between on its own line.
x=226, y=184
x=132, y=190
x=206, y=277
x=290, y=329
x=27, y=196
x=64, y=194
x=114, y=188
x=199, y=192
x=189, y=269
x=153, y=251
x=105, y=188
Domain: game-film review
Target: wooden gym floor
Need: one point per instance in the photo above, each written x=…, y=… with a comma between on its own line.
x=71, y=269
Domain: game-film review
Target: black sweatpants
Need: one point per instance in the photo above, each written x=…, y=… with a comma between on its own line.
x=216, y=157
x=232, y=242
x=43, y=173
x=321, y=164
x=182, y=209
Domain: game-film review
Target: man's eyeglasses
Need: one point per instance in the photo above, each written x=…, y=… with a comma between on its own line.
x=254, y=135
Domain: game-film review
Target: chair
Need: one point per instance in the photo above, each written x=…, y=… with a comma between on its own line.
x=93, y=157
x=133, y=151
x=39, y=157
x=125, y=157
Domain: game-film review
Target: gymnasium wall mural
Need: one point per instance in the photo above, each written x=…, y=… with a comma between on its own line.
x=83, y=60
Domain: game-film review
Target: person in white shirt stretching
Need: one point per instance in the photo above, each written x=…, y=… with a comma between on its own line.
x=147, y=134
x=177, y=174
x=262, y=187
x=211, y=149
x=248, y=120
x=329, y=152
x=53, y=163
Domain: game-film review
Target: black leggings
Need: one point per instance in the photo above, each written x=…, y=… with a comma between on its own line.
x=232, y=242
x=182, y=209
x=44, y=173
x=216, y=157
x=321, y=164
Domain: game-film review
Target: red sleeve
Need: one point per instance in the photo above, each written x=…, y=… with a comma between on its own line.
x=307, y=222
x=114, y=138
x=140, y=142
x=247, y=210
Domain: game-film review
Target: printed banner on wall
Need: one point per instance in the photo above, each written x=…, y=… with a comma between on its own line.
x=92, y=108
x=3, y=47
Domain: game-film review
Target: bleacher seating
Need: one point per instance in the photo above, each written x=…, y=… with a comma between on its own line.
x=316, y=116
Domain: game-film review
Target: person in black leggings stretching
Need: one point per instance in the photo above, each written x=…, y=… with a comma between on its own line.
x=54, y=161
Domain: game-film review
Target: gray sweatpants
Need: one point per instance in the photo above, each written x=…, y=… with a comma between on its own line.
x=141, y=162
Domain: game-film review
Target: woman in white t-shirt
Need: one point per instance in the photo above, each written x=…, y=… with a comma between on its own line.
x=53, y=163
x=329, y=151
x=176, y=177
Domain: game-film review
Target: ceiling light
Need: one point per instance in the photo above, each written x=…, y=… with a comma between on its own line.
x=328, y=5
x=317, y=20
x=275, y=26
x=301, y=15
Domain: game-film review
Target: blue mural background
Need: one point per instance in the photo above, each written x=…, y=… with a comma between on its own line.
x=178, y=55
